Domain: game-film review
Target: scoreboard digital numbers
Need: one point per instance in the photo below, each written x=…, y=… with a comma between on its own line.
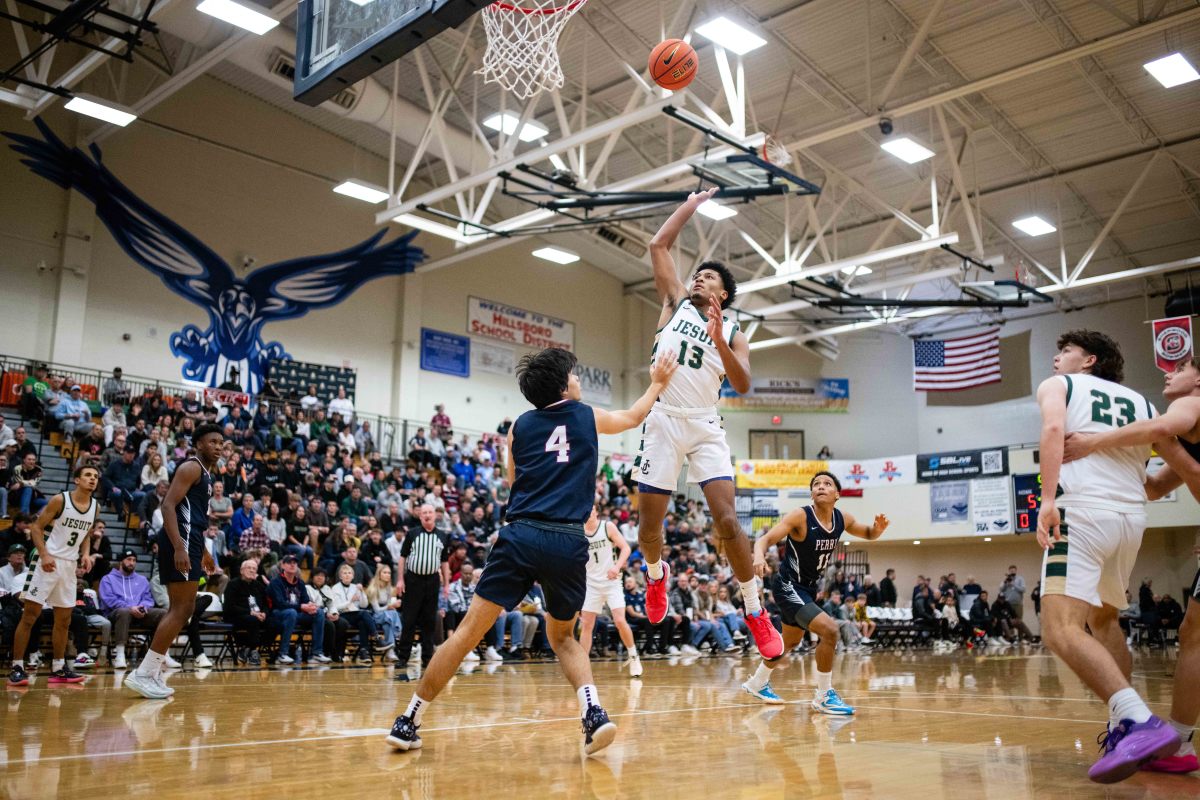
x=1027, y=499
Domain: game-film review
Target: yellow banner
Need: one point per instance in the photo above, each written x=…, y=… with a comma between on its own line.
x=777, y=474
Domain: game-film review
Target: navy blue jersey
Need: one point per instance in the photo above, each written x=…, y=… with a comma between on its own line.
x=192, y=511
x=805, y=562
x=1192, y=450
x=555, y=455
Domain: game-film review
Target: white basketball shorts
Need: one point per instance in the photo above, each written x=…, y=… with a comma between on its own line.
x=602, y=593
x=1094, y=560
x=668, y=438
x=55, y=589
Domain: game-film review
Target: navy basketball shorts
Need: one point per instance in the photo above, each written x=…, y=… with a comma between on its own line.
x=166, y=559
x=796, y=604
x=527, y=551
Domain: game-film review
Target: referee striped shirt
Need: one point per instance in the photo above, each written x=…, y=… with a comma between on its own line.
x=423, y=551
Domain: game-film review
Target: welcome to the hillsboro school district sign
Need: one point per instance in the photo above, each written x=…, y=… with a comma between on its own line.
x=518, y=326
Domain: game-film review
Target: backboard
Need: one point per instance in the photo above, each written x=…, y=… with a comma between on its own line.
x=340, y=42
x=1003, y=291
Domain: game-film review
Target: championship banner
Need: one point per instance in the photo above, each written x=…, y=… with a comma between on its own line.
x=872, y=472
x=962, y=464
x=777, y=474
x=226, y=397
x=518, y=325
x=991, y=507
x=1172, y=341
x=827, y=395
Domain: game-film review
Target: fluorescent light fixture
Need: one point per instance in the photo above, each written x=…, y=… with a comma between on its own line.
x=715, y=210
x=858, y=269
x=907, y=150
x=987, y=538
x=437, y=229
x=100, y=109
x=239, y=15
x=728, y=34
x=361, y=191
x=916, y=541
x=1033, y=226
x=557, y=255
x=361, y=2
x=506, y=123
x=1172, y=70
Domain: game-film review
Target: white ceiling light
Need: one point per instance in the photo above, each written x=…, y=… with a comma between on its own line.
x=239, y=15
x=506, y=123
x=361, y=191
x=987, y=538
x=916, y=541
x=437, y=229
x=1033, y=226
x=1172, y=70
x=859, y=269
x=361, y=2
x=907, y=150
x=728, y=34
x=715, y=210
x=100, y=109
x=557, y=255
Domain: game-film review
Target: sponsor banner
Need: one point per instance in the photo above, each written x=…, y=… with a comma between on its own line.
x=1152, y=466
x=444, y=352
x=962, y=465
x=296, y=376
x=948, y=501
x=596, y=383
x=1172, y=341
x=494, y=358
x=777, y=474
x=227, y=397
x=872, y=472
x=991, y=510
x=831, y=395
x=518, y=326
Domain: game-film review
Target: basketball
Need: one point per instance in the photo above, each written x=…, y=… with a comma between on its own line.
x=673, y=64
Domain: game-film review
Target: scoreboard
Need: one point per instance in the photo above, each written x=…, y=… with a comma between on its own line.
x=1027, y=499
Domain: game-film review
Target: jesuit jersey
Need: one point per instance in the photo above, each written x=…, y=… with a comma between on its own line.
x=697, y=382
x=1112, y=478
x=600, y=553
x=554, y=454
x=69, y=528
x=806, y=561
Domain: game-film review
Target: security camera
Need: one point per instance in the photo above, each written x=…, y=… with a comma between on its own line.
x=885, y=126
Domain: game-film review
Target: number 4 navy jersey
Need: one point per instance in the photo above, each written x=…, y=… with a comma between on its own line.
x=804, y=562
x=555, y=456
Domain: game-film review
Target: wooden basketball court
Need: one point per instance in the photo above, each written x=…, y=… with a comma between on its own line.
x=1008, y=725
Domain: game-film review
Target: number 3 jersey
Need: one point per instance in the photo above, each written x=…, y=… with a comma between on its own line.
x=1112, y=478
x=697, y=382
x=804, y=562
x=69, y=528
x=554, y=454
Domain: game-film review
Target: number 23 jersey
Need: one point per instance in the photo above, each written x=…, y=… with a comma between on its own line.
x=804, y=562
x=554, y=454
x=1112, y=478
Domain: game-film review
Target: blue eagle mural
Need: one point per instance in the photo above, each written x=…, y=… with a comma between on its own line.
x=237, y=308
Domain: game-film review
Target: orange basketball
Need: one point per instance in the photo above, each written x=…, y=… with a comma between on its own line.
x=673, y=64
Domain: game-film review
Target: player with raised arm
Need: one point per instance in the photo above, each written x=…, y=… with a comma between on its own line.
x=182, y=556
x=50, y=580
x=552, y=456
x=812, y=534
x=684, y=423
x=1181, y=420
x=604, y=586
x=1091, y=531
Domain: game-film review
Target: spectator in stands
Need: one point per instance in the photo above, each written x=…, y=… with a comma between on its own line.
x=276, y=529
x=153, y=473
x=14, y=572
x=310, y=401
x=354, y=507
x=1013, y=591
x=298, y=535
x=349, y=600
x=385, y=607
x=123, y=478
x=74, y=415
x=461, y=592
x=220, y=507
x=6, y=480
x=343, y=405
x=233, y=382
x=981, y=618
x=1008, y=625
x=374, y=552
x=971, y=587
x=1170, y=613
x=6, y=433
x=101, y=550
x=243, y=518
x=824, y=453
x=18, y=533
x=363, y=572
x=254, y=539
x=440, y=424
x=291, y=610
x=364, y=439
x=866, y=626
x=115, y=390
x=681, y=607
x=245, y=607
x=218, y=548
x=113, y=420
x=126, y=600
x=887, y=589
x=33, y=392
x=24, y=485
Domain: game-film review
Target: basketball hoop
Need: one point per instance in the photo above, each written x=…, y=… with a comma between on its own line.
x=775, y=153
x=522, y=48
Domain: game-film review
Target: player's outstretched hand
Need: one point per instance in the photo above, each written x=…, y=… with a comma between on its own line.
x=1077, y=446
x=663, y=368
x=760, y=566
x=1049, y=520
x=695, y=199
x=715, y=320
x=881, y=524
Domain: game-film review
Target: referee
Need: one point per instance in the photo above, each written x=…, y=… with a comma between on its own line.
x=423, y=569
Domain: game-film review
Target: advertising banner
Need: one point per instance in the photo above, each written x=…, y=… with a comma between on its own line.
x=962, y=464
x=948, y=501
x=518, y=326
x=829, y=395
x=871, y=472
x=1172, y=341
x=777, y=474
x=991, y=510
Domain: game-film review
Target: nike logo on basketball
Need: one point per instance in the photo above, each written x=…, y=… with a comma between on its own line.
x=671, y=55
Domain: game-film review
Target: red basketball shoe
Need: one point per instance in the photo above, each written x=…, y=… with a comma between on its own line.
x=656, y=597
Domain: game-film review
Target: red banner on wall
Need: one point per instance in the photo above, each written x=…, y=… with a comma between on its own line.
x=1172, y=341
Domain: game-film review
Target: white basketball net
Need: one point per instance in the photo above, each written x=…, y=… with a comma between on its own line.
x=522, y=48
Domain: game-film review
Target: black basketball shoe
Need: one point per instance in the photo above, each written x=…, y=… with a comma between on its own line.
x=404, y=734
x=598, y=730
x=18, y=676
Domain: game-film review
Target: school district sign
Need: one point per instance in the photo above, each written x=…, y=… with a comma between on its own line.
x=518, y=326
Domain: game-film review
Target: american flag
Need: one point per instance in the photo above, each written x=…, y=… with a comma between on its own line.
x=942, y=365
